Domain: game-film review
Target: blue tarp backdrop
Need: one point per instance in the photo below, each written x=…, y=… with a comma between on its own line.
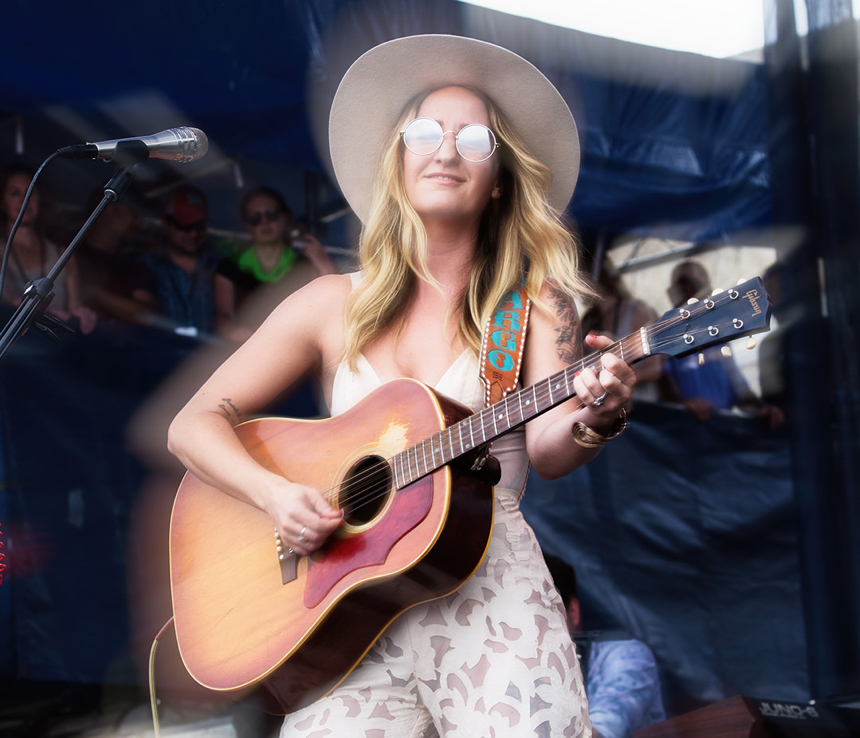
x=673, y=143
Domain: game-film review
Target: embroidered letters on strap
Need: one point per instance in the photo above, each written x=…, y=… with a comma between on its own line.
x=503, y=344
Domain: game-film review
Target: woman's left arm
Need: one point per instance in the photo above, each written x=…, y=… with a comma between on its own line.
x=555, y=341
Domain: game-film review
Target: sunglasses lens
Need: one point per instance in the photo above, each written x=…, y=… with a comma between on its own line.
x=476, y=142
x=198, y=227
x=422, y=136
x=269, y=214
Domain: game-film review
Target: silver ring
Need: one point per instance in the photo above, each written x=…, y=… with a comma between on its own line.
x=599, y=400
x=291, y=551
x=302, y=534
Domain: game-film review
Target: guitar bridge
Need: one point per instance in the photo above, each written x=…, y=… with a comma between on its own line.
x=288, y=561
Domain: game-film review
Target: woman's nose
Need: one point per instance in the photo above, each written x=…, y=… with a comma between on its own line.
x=448, y=150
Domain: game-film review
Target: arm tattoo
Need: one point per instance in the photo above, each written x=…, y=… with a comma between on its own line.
x=231, y=412
x=569, y=340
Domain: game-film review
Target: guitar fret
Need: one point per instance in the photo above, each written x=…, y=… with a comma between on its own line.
x=413, y=475
x=511, y=418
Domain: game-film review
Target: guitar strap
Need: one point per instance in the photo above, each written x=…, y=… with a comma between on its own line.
x=503, y=344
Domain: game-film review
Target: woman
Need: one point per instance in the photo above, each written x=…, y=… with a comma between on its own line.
x=280, y=259
x=449, y=227
x=32, y=255
x=271, y=254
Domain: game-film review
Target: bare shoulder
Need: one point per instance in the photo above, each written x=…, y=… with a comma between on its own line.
x=317, y=301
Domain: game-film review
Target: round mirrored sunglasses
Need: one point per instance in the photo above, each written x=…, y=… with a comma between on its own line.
x=474, y=142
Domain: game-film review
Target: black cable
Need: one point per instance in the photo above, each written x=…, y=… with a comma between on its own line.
x=14, y=228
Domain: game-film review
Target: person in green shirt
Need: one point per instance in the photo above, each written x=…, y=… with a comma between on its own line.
x=278, y=244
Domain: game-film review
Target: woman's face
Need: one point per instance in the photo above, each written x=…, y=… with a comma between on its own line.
x=265, y=220
x=443, y=186
x=13, y=198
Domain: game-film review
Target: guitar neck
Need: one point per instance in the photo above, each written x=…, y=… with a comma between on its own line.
x=513, y=411
x=725, y=315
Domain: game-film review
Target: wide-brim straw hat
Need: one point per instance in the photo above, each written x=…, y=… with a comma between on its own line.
x=377, y=87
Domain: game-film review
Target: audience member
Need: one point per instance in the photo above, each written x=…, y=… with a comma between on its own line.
x=104, y=259
x=617, y=314
x=32, y=254
x=278, y=242
x=713, y=382
x=281, y=257
x=621, y=678
x=181, y=283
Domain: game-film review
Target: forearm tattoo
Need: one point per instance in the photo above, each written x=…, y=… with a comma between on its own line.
x=231, y=412
x=568, y=341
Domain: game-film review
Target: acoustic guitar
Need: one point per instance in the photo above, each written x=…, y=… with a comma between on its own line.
x=406, y=465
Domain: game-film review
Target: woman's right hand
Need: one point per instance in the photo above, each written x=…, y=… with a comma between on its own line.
x=303, y=517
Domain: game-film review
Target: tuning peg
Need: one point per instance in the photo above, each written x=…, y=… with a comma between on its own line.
x=751, y=342
x=692, y=301
x=726, y=351
x=717, y=291
x=741, y=281
x=701, y=359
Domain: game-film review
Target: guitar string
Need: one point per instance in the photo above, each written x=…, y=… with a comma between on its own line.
x=365, y=483
x=383, y=468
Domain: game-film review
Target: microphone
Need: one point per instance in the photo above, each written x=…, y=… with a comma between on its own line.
x=175, y=144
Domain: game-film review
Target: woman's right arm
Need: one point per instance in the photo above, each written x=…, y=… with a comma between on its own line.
x=290, y=343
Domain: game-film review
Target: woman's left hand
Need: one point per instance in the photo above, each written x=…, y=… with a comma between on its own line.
x=605, y=391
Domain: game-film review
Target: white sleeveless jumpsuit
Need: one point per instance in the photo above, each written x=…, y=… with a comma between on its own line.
x=492, y=660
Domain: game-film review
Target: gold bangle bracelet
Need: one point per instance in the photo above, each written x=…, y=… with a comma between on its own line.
x=589, y=438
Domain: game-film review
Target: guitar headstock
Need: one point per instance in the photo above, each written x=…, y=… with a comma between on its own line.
x=740, y=311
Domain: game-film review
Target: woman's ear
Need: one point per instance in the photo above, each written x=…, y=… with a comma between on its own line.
x=497, y=190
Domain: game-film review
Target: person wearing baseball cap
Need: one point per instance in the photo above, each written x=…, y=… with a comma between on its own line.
x=459, y=158
x=181, y=281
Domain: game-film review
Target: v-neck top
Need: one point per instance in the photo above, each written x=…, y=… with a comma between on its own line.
x=461, y=382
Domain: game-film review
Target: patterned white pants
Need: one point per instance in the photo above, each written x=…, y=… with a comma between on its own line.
x=492, y=660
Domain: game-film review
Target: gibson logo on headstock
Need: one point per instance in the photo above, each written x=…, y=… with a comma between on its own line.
x=754, y=297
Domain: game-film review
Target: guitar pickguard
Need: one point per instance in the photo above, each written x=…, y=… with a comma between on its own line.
x=369, y=546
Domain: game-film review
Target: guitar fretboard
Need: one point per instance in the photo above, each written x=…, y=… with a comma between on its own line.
x=513, y=411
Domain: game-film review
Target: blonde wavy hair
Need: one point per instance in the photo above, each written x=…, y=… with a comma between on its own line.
x=519, y=233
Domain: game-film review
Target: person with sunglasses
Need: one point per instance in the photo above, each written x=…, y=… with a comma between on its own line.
x=280, y=258
x=181, y=283
x=459, y=166
x=278, y=243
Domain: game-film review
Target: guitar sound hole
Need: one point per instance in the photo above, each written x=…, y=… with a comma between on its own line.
x=365, y=490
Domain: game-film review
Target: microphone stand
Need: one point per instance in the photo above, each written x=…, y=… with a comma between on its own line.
x=39, y=293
